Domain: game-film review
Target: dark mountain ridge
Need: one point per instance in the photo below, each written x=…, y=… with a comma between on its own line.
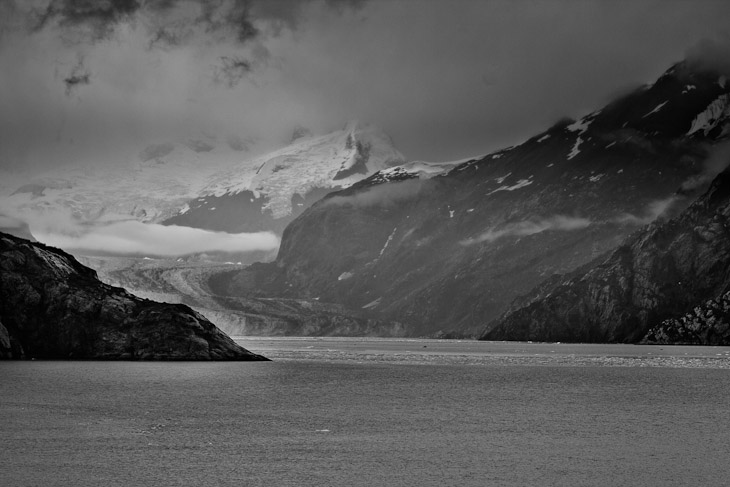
x=446, y=255
x=52, y=307
x=641, y=290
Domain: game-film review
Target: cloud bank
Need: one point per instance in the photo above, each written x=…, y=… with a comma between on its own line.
x=59, y=228
x=716, y=162
x=525, y=228
x=380, y=195
x=655, y=209
x=135, y=238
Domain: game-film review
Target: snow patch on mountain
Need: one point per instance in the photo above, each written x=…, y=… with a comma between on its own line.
x=387, y=242
x=581, y=125
x=576, y=148
x=596, y=178
x=715, y=113
x=656, y=109
x=520, y=184
x=373, y=304
x=501, y=179
x=421, y=169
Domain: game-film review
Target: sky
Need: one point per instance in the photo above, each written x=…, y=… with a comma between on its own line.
x=447, y=79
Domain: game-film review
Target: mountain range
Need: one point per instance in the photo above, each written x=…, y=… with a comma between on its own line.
x=447, y=254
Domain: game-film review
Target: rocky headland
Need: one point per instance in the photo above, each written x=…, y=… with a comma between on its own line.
x=52, y=307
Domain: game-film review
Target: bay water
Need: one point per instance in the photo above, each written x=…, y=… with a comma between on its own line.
x=372, y=412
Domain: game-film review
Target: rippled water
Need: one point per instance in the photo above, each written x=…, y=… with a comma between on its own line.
x=374, y=412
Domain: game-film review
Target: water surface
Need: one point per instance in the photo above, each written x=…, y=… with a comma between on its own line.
x=383, y=412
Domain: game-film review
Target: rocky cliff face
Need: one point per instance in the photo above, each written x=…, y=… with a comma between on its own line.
x=449, y=253
x=52, y=307
x=660, y=273
x=706, y=324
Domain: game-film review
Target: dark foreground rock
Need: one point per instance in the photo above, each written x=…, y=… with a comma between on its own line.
x=52, y=307
x=706, y=324
x=641, y=291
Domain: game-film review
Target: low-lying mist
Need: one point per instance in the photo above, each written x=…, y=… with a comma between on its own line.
x=381, y=195
x=129, y=237
x=134, y=238
x=530, y=227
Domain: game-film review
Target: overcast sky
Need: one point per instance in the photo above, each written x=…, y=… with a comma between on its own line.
x=446, y=78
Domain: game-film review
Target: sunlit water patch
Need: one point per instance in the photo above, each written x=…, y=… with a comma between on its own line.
x=470, y=352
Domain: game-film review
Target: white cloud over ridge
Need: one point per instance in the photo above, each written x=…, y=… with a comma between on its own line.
x=525, y=228
x=654, y=210
x=135, y=238
x=380, y=195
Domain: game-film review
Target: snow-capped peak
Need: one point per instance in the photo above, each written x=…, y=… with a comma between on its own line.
x=335, y=160
x=419, y=169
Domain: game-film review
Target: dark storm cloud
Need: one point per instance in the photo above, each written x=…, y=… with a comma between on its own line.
x=219, y=15
x=231, y=71
x=172, y=24
x=100, y=17
x=169, y=36
x=79, y=76
x=234, y=18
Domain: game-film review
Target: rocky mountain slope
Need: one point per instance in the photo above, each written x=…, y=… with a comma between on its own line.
x=268, y=192
x=52, y=307
x=659, y=273
x=447, y=254
x=706, y=324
